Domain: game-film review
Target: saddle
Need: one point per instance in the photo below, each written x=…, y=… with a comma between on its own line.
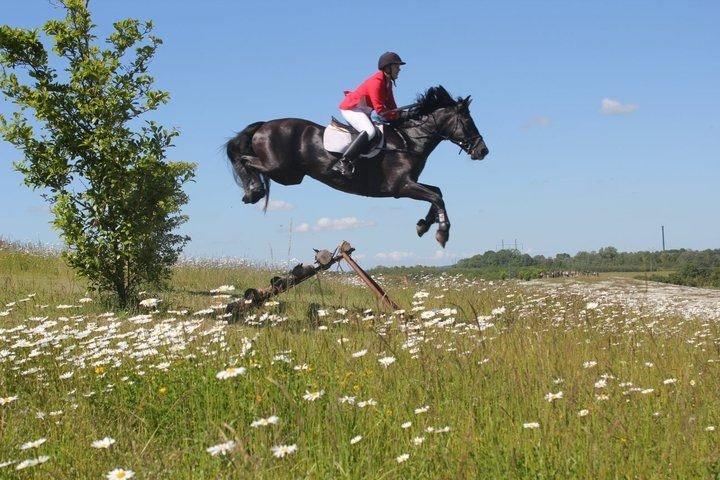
x=338, y=136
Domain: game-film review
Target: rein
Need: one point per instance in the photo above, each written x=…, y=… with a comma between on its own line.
x=467, y=147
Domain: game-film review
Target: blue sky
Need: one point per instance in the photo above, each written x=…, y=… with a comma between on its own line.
x=562, y=176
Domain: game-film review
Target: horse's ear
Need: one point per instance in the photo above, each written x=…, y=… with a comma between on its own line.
x=467, y=100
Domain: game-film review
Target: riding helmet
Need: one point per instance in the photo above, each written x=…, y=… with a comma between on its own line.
x=389, y=58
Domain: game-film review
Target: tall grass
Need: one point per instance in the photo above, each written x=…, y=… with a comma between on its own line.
x=481, y=370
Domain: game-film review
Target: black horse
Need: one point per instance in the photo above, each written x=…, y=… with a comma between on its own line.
x=287, y=149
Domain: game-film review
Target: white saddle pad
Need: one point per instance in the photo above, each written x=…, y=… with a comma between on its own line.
x=337, y=140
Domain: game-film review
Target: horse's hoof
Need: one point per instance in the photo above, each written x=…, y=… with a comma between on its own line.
x=253, y=195
x=422, y=227
x=442, y=237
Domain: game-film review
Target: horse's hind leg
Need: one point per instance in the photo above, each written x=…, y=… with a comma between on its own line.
x=246, y=176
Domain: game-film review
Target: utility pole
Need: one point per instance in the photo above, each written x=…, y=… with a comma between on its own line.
x=662, y=229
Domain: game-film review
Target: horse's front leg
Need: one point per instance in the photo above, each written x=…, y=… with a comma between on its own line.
x=432, y=194
x=424, y=224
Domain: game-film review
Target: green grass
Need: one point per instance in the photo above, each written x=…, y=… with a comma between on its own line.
x=482, y=384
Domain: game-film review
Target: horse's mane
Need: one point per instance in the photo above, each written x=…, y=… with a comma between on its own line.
x=431, y=100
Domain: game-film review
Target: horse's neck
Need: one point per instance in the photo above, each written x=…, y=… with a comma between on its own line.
x=422, y=139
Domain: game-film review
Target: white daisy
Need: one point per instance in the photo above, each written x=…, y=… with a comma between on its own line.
x=282, y=450
x=32, y=462
x=120, y=474
x=312, y=396
x=402, y=458
x=221, y=448
x=262, y=422
x=531, y=425
x=359, y=353
x=104, y=443
x=387, y=361
x=33, y=444
x=355, y=439
x=230, y=373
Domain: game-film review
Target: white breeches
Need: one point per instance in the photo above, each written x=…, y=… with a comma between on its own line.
x=360, y=121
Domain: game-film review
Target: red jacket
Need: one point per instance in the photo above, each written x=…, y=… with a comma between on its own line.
x=377, y=91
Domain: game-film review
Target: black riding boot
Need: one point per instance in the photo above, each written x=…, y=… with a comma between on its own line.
x=346, y=165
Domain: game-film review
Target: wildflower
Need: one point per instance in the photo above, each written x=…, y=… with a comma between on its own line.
x=262, y=422
x=32, y=462
x=355, y=439
x=85, y=300
x=120, y=474
x=531, y=425
x=418, y=441
x=7, y=400
x=422, y=409
x=223, y=289
x=647, y=390
x=104, y=443
x=367, y=403
x=33, y=444
x=150, y=302
x=649, y=364
x=301, y=367
x=9, y=462
x=406, y=425
x=359, y=353
x=402, y=458
x=591, y=305
x=498, y=311
x=553, y=396
x=602, y=383
x=348, y=400
x=221, y=448
x=669, y=381
x=281, y=450
x=583, y=412
x=710, y=428
x=602, y=397
x=421, y=295
x=230, y=373
x=341, y=311
x=387, y=361
x=322, y=313
x=589, y=364
x=312, y=396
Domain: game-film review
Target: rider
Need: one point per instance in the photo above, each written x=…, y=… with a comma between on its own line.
x=375, y=93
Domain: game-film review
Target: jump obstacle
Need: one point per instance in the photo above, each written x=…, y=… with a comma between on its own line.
x=324, y=259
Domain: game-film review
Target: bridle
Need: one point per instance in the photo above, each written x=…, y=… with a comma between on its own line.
x=466, y=146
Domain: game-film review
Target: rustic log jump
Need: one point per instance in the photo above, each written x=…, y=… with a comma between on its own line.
x=324, y=259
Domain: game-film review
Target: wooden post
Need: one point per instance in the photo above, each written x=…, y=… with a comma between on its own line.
x=345, y=250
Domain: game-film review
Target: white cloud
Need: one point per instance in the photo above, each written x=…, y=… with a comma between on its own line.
x=539, y=121
x=394, y=256
x=609, y=106
x=443, y=255
x=325, y=223
x=277, y=205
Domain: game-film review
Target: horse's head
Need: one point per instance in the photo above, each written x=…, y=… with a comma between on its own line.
x=451, y=120
x=458, y=126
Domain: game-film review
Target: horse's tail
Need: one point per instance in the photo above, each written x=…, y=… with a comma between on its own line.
x=238, y=147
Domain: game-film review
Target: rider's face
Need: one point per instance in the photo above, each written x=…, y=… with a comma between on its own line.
x=394, y=71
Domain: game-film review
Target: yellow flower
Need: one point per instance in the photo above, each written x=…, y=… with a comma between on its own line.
x=99, y=370
x=162, y=390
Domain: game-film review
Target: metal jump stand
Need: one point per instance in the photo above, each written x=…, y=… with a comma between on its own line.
x=324, y=259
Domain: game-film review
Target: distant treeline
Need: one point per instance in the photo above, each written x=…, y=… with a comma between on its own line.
x=607, y=259
x=689, y=267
